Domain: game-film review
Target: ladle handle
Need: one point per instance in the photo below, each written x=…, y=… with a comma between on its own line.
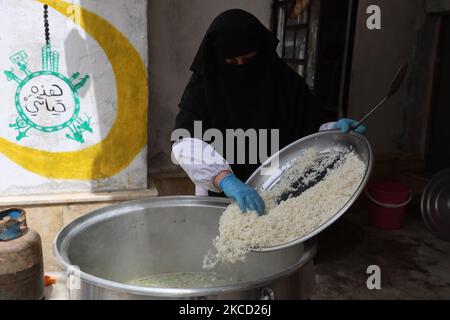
x=393, y=88
x=382, y=102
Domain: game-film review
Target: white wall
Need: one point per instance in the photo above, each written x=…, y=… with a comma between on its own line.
x=176, y=29
x=22, y=28
x=376, y=57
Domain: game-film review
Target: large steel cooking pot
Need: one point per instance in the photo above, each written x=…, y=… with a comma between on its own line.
x=117, y=244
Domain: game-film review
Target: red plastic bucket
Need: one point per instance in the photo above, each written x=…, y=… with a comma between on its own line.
x=388, y=202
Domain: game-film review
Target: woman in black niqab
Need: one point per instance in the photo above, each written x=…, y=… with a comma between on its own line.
x=263, y=93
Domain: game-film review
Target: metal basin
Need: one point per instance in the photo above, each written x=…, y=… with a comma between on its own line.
x=115, y=245
x=325, y=142
x=435, y=205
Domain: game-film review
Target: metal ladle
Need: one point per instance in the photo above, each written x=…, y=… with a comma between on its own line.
x=395, y=85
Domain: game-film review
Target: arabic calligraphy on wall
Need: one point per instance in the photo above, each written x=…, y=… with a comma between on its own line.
x=47, y=100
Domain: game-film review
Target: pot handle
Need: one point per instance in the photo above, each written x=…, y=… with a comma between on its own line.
x=310, y=248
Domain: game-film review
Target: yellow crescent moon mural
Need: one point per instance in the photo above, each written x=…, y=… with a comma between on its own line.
x=128, y=134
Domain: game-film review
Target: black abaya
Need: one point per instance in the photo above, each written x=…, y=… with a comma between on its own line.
x=264, y=93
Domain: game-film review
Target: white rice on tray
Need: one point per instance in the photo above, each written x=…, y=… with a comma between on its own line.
x=296, y=217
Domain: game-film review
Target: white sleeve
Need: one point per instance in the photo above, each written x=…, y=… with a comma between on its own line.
x=200, y=161
x=327, y=126
x=200, y=191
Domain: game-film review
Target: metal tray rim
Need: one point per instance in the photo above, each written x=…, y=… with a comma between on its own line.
x=349, y=203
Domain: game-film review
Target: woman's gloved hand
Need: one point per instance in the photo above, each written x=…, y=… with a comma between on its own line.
x=246, y=197
x=345, y=125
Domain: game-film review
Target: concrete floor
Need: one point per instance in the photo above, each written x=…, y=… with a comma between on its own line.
x=414, y=263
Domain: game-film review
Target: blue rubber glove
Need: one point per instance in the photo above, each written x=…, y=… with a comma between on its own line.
x=246, y=197
x=345, y=125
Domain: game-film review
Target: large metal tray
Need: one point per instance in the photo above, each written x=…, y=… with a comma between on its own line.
x=267, y=176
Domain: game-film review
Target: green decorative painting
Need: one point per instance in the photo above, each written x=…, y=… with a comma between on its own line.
x=47, y=100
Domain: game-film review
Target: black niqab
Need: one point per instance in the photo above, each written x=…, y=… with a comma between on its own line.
x=264, y=93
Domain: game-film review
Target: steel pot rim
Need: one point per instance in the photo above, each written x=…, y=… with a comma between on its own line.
x=310, y=249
